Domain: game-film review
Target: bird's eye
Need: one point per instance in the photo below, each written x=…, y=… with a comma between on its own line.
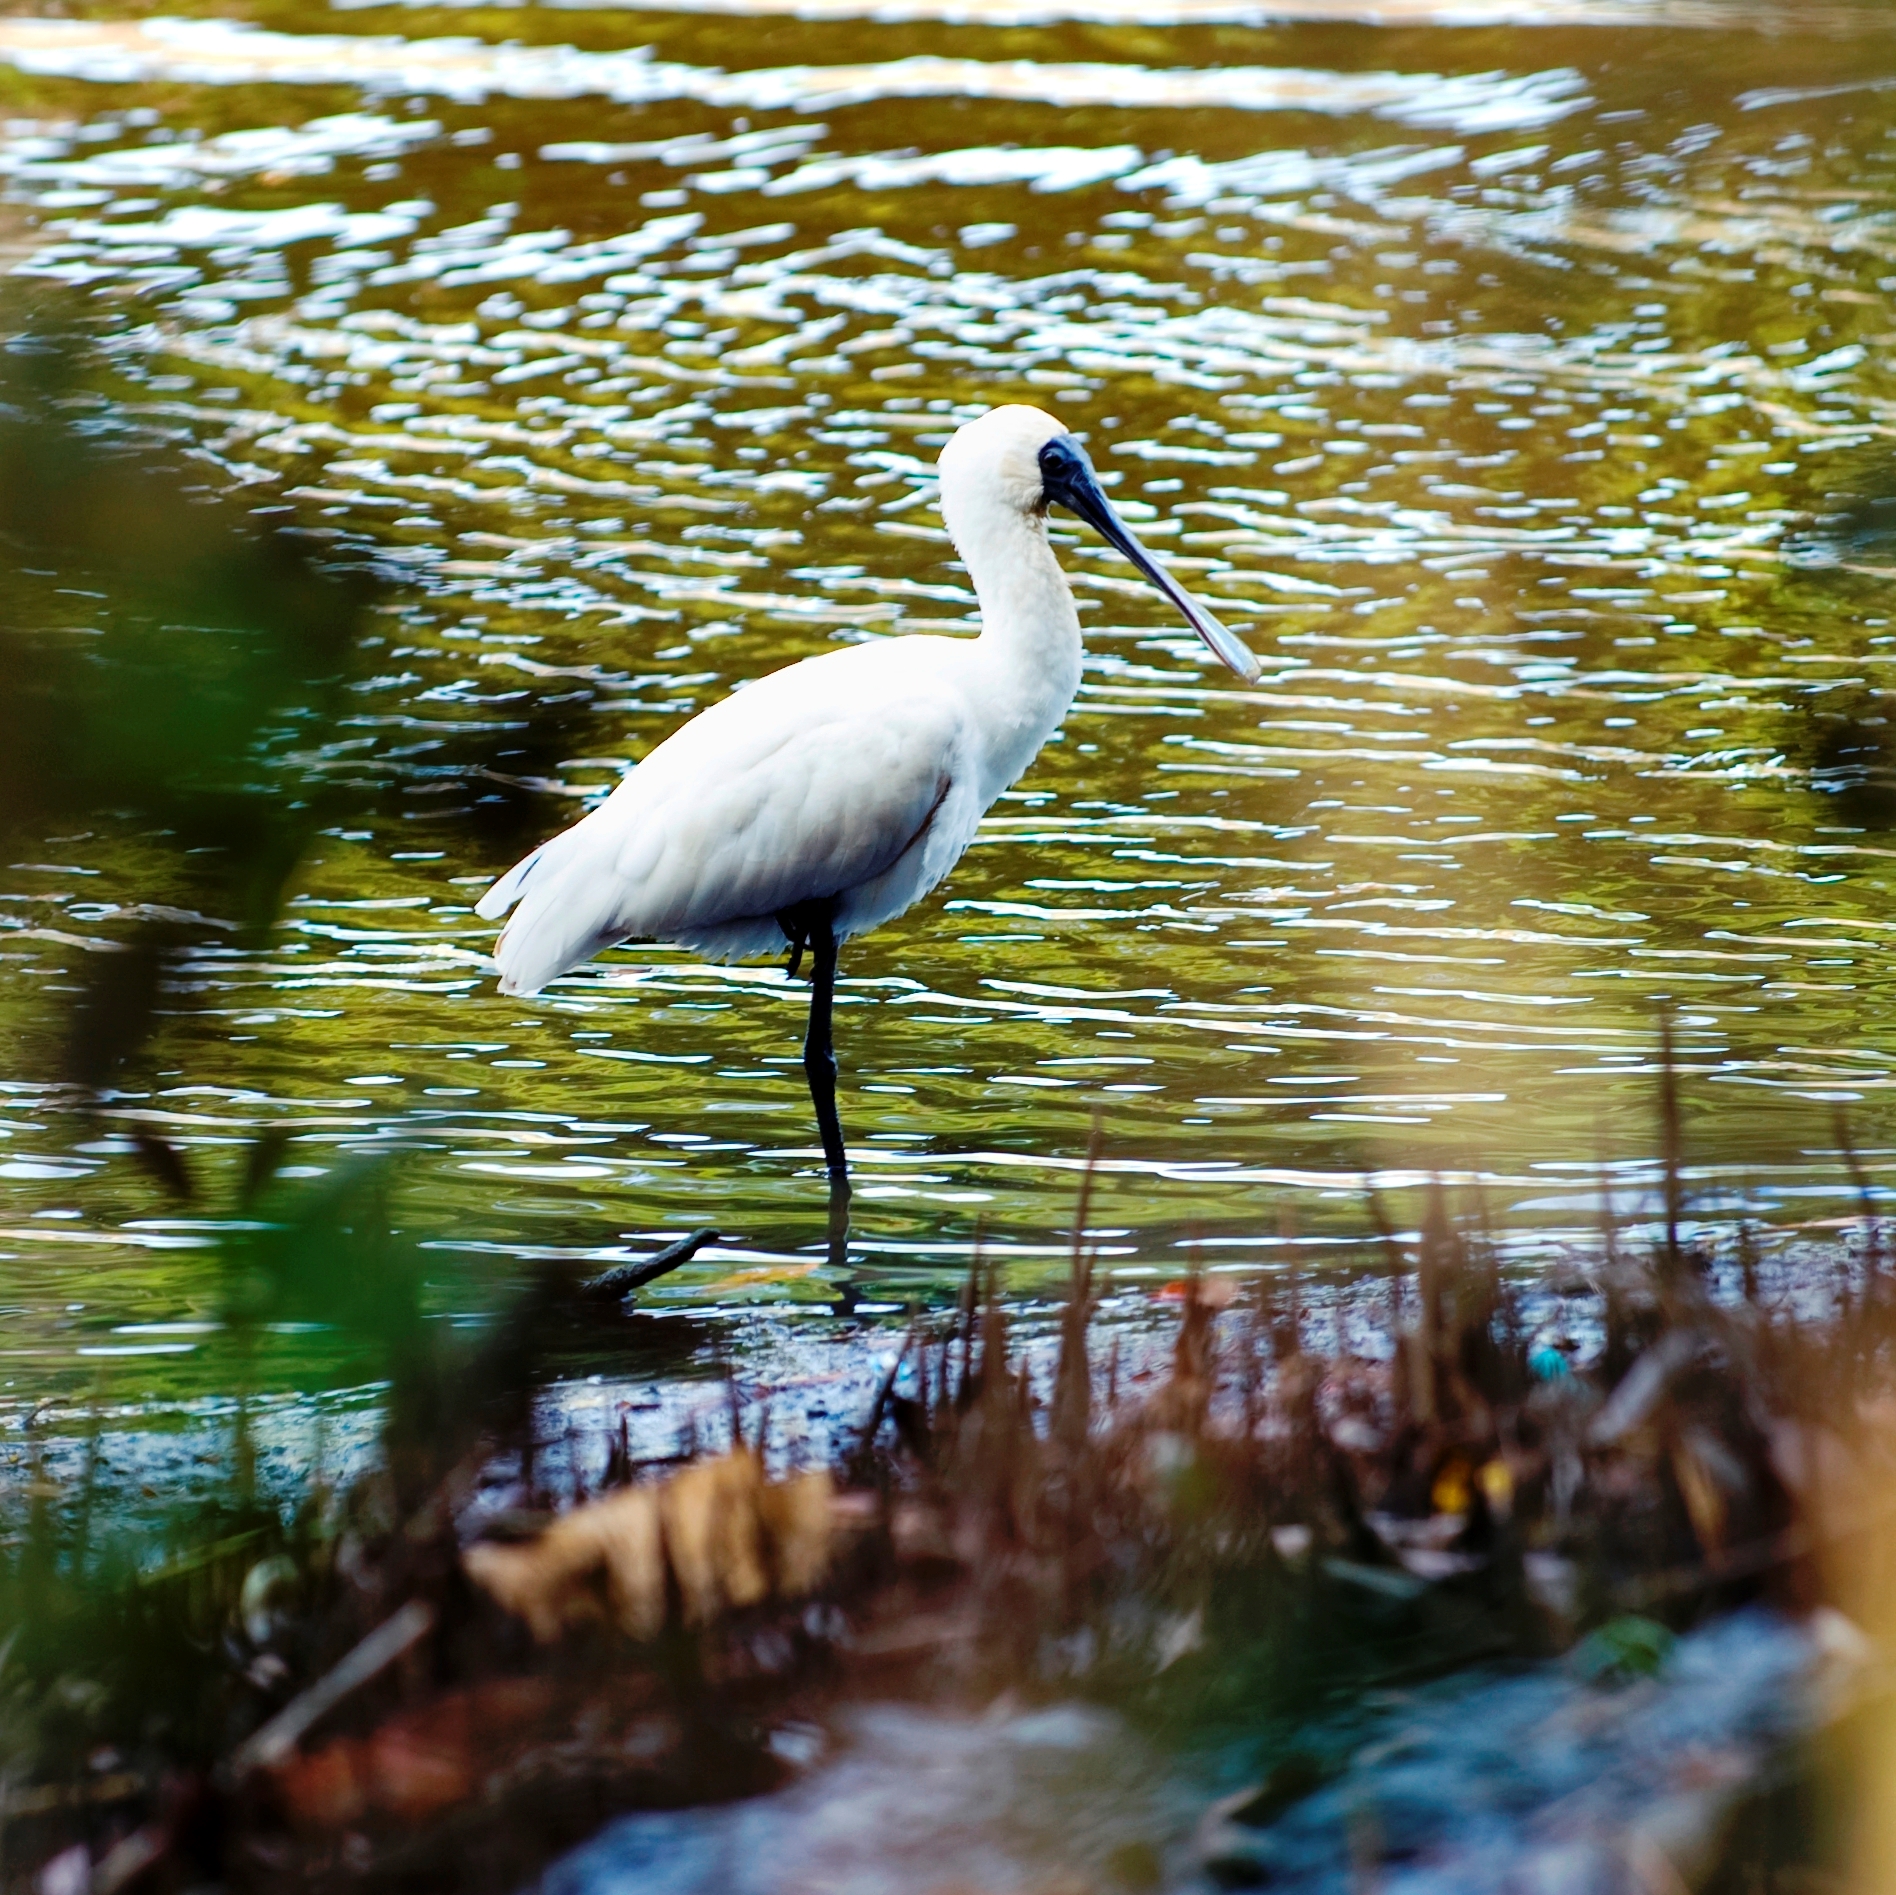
x=1063, y=469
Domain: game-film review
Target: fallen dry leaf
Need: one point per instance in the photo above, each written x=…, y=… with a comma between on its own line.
x=724, y=1534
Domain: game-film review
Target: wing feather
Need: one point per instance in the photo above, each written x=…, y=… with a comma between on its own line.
x=808, y=783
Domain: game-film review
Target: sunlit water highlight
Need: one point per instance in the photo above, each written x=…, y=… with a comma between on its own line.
x=1487, y=379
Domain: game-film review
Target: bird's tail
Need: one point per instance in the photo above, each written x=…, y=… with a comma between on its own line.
x=507, y=890
x=564, y=916
x=531, y=950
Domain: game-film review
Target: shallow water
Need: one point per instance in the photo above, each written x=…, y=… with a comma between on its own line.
x=1485, y=373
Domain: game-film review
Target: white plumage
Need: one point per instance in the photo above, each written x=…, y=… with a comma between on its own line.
x=852, y=774
x=847, y=785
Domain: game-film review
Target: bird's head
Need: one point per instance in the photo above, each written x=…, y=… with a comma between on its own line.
x=1020, y=461
x=996, y=457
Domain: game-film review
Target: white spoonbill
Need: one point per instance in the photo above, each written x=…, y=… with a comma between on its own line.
x=823, y=799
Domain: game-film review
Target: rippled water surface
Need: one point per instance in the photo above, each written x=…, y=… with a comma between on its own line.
x=1486, y=373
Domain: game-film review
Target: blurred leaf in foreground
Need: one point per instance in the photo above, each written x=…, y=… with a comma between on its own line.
x=156, y=642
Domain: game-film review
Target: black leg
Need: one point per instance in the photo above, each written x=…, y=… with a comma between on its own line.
x=812, y=924
x=839, y=1245
x=819, y=1051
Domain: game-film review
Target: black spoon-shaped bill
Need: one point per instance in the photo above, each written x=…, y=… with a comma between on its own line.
x=1067, y=478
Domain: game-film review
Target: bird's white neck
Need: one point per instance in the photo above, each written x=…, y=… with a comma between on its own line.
x=1030, y=628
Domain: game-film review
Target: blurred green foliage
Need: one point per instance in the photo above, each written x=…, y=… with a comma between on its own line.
x=154, y=630
x=156, y=639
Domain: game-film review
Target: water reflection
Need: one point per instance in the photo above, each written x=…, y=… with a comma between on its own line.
x=1483, y=384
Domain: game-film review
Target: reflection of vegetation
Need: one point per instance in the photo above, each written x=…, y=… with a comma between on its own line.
x=1847, y=743
x=1852, y=753
x=1858, y=525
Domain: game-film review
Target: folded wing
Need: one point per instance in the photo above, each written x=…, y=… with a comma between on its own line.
x=802, y=786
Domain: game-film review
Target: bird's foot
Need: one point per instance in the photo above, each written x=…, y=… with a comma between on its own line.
x=796, y=930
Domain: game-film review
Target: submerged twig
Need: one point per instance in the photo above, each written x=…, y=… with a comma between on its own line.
x=621, y=1280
